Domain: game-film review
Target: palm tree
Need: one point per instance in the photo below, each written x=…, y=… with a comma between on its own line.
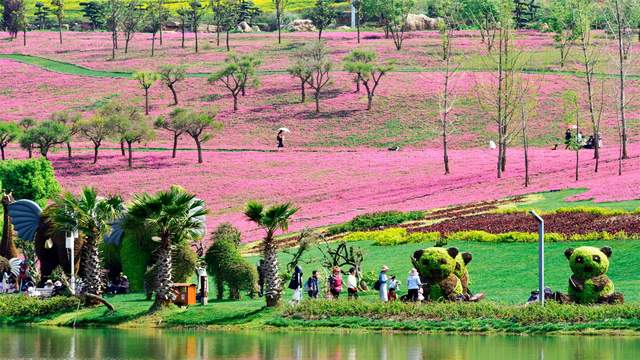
x=171, y=218
x=91, y=215
x=272, y=219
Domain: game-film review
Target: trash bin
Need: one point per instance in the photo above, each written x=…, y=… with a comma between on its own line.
x=186, y=294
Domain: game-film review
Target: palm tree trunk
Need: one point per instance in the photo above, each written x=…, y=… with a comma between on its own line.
x=164, y=293
x=272, y=279
x=91, y=267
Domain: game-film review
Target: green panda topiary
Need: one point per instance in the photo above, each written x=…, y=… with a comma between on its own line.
x=437, y=267
x=462, y=260
x=589, y=283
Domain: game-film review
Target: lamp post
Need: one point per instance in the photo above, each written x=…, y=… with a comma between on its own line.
x=540, y=255
x=70, y=239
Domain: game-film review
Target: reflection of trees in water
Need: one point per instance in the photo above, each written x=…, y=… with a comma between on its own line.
x=43, y=343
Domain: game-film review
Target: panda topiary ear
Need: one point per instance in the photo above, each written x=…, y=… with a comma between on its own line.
x=418, y=254
x=466, y=257
x=568, y=253
x=607, y=251
x=453, y=252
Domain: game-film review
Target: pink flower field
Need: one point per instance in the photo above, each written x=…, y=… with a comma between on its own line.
x=335, y=165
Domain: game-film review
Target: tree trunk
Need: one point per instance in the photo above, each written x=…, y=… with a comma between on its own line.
x=182, y=45
x=278, y=24
x=2, y=152
x=69, y=150
x=160, y=31
x=219, y=287
x=175, y=145
x=358, y=26
x=272, y=279
x=130, y=154
x=164, y=291
x=175, y=95
x=303, y=94
x=153, y=45
x=217, y=36
x=126, y=44
x=320, y=34
x=114, y=45
x=95, y=153
x=228, y=47
x=146, y=101
x=199, y=147
x=92, y=270
x=24, y=37
x=235, y=102
x=30, y=150
x=195, y=32
x=369, y=101
x=60, y=30
x=122, y=148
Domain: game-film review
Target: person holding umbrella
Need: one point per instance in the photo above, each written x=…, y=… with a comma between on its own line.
x=280, y=136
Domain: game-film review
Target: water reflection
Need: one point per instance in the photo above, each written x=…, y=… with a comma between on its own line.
x=55, y=343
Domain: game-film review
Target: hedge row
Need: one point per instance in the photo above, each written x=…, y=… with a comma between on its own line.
x=13, y=307
x=399, y=236
x=376, y=220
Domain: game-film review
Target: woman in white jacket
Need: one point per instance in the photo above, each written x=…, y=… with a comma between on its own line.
x=413, y=285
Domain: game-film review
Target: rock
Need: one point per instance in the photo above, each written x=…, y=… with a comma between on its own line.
x=302, y=25
x=256, y=28
x=416, y=22
x=343, y=28
x=65, y=27
x=244, y=27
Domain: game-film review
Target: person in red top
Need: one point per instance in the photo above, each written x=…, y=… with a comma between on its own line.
x=335, y=282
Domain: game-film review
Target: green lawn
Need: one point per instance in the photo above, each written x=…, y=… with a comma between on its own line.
x=552, y=200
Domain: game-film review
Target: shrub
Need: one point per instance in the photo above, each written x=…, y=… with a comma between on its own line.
x=226, y=231
x=392, y=236
x=184, y=262
x=135, y=256
x=514, y=236
x=19, y=306
x=376, y=220
x=32, y=179
x=423, y=237
x=219, y=258
x=242, y=276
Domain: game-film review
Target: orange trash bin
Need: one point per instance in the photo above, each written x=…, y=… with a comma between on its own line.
x=186, y=294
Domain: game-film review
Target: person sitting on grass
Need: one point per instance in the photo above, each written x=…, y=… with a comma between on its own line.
x=352, y=284
x=335, y=282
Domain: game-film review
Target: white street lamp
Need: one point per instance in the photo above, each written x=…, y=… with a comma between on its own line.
x=69, y=244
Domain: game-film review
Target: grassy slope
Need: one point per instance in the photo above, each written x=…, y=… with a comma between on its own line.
x=556, y=199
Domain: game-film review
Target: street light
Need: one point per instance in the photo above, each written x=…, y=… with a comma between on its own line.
x=540, y=255
x=69, y=244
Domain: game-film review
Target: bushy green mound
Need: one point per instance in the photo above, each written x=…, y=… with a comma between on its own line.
x=376, y=220
x=15, y=308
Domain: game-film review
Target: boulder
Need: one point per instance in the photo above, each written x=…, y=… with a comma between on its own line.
x=244, y=27
x=302, y=25
x=343, y=28
x=416, y=22
x=256, y=28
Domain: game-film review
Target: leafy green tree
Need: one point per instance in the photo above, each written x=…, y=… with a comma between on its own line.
x=71, y=120
x=323, y=15
x=132, y=128
x=280, y=6
x=14, y=17
x=301, y=70
x=91, y=215
x=320, y=66
x=8, y=132
x=398, y=11
x=239, y=71
x=58, y=11
x=199, y=125
x=26, y=124
x=219, y=257
x=132, y=18
x=230, y=14
x=175, y=124
x=146, y=79
x=363, y=64
x=44, y=136
x=563, y=24
x=170, y=75
x=94, y=12
x=485, y=15
x=196, y=12
x=97, y=129
x=172, y=217
x=218, y=8
x=41, y=14
x=274, y=218
x=183, y=15
x=113, y=11
x=155, y=17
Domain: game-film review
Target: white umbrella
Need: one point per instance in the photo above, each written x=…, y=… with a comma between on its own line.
x=285, y=130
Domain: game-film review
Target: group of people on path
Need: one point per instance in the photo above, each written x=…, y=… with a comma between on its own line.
x=387, y=285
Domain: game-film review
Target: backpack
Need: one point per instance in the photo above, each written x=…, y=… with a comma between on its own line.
x=377, y=284
x=306, y=286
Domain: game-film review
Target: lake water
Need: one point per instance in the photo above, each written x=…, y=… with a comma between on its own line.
x=55, y=343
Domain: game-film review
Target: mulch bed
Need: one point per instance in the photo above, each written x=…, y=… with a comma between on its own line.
x=563, y=223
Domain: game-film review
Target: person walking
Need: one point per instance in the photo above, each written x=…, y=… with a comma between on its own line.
x=382, y=281
x=394, y=287
x=413, y=285
x=296, y=285
x=335, y=282
x=280, y=139
x=312, y=285
x=352, y=284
